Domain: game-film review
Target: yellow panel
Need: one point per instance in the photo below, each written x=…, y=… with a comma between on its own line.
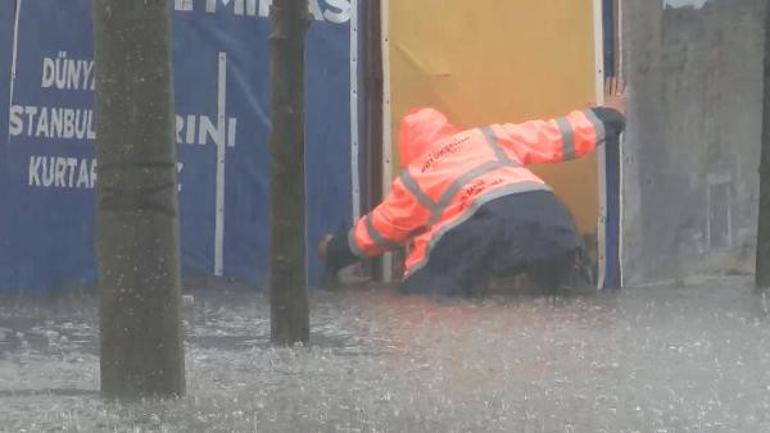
x=488, y=61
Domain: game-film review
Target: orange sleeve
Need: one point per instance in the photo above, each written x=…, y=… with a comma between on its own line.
x=552, y=141
x=390, y=224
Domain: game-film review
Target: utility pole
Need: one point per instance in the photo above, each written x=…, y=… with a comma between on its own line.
x=763, y=228
x=137, y=233
x=289, y=318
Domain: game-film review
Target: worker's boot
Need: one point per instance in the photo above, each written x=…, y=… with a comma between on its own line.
x=580, y=278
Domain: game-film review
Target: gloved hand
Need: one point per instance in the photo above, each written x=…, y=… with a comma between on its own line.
x=334, y=252
x=615, y=94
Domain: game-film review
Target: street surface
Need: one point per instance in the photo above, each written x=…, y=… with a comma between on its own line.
x=660, y=359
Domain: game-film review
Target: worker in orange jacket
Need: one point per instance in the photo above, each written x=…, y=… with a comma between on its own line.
x=467, y=209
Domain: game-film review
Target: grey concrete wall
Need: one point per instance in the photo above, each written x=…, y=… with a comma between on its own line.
x=691, y=151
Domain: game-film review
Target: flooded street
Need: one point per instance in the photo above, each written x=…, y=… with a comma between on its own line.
x=660, y=360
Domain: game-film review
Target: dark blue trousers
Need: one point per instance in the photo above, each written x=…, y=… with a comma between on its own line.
x=530, y=233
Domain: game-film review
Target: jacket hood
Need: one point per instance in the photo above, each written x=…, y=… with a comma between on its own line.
x=420, y=128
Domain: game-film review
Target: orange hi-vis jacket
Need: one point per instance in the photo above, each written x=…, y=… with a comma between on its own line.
x=448, y=174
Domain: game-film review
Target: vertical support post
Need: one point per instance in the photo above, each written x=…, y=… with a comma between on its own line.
x=15, y=50
x=372, y=85
x=601, y=155
x=289, y=319
x=763, y=228
x=387, y=126
x=355, y=137
x=219, y=220
x=613, y=163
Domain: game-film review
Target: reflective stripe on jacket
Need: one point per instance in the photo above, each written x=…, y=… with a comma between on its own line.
x=449, y=174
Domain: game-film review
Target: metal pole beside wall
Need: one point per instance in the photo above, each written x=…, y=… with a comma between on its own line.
x=289, y=318
x=763, y=227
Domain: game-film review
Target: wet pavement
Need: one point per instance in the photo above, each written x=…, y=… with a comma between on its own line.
x=659, y=359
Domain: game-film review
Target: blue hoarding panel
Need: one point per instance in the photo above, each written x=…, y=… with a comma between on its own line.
x=222, y=89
